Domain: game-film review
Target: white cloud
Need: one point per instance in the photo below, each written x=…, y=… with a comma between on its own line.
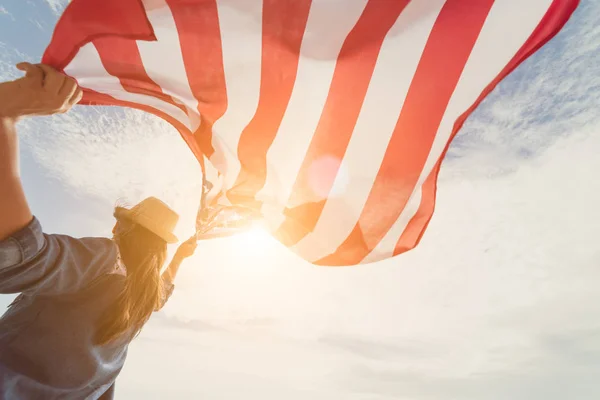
x=57, y=6
x=4, y=11
x=125, y=155
x=37, y=24
x=10, y=57
x=554, y=93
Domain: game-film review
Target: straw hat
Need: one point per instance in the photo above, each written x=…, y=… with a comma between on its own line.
x=153, y=215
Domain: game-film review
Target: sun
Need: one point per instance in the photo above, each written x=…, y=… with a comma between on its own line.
x=255, y=240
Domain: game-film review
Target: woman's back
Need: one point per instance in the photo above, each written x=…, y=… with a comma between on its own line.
x=47, y=343
x=47, y=336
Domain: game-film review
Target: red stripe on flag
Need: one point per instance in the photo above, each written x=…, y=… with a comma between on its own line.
x=448, y=48
x=355, y=65
x=414, y=230
x=121, y=58
x=86, y=20
x=284, y=23
x=94, y=98
x=555, y=18
x=200, y=38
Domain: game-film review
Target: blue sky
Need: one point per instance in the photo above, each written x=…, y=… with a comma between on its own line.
x=499, y=301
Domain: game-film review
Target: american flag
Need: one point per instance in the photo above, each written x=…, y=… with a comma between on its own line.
x=327, y=118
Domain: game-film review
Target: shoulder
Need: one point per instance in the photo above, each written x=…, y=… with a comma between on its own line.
x=102, y=254
x=31, y=260
x=88, y=260
x=32, y=242
x=92, y=249
x=31, y=245
x=91, y=244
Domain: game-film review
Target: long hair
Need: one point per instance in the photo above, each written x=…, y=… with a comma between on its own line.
x=143, y=254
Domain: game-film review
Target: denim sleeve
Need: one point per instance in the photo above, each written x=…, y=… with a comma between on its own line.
x=37, y=263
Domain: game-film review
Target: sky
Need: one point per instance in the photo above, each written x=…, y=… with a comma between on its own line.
x=499, y=301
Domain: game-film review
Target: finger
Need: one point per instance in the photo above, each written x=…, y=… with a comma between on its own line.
x=54, y=80
x=47, y=69
x=76, y=98
x=31, y=71
x=68, y=89
x=23, y=66
x=26, y=67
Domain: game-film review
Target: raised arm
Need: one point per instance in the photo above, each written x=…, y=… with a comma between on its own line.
x=185, y=250
x=43, y=91
x=14, y=210
x=31, y=261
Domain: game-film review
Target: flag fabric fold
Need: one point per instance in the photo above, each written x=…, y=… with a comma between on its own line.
x=328, y=119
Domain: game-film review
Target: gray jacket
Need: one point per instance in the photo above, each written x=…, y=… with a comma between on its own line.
x=46, y=336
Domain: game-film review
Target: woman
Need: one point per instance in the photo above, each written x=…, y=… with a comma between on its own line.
x=82, y=301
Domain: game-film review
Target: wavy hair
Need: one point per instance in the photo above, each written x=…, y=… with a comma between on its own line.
x=143, y=254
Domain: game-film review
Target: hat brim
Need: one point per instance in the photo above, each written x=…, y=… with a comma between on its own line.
x=148, y=223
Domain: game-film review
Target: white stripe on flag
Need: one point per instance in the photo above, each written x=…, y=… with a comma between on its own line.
x=496, y=46
x=393, y=74
x=321, y=46
x=163, y=60
x=87, y=68
x=241, y=38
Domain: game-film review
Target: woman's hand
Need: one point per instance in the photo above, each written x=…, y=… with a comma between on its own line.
x=42, y=91
x=187, y=248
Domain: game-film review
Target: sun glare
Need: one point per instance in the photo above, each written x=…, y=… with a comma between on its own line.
x=255, y=240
